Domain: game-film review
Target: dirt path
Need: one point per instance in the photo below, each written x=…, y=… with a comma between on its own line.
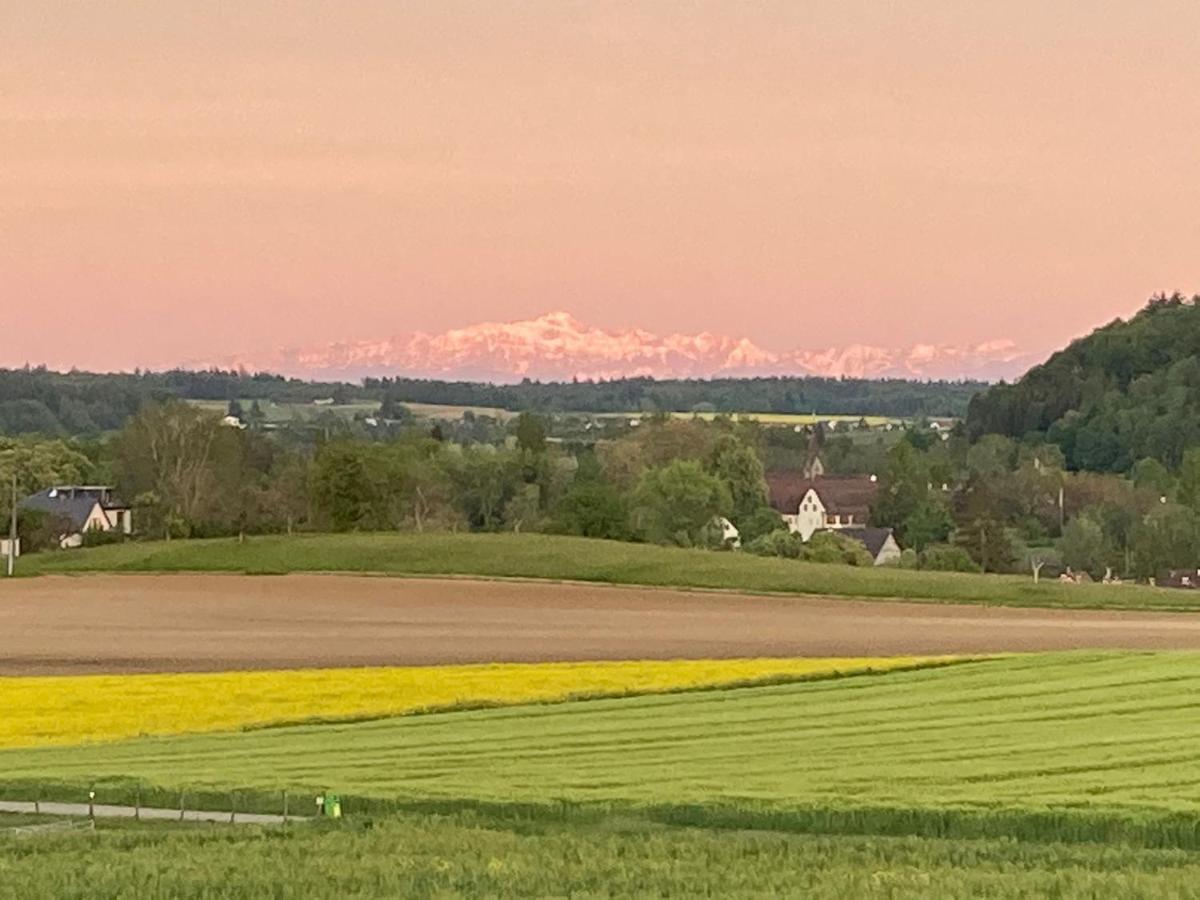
x=148, y=623
x=108, y=811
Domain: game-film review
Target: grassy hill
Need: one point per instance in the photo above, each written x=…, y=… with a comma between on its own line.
x=581, y=559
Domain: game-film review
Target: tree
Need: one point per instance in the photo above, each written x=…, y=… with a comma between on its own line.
x=763, y=521
x=992, y=457
x=592, y=508
x=988, y=542
x=483, y=481
x=524, y=509
x=255, y=418
x=342, y=488
x=622, y=463
x=531, y=433
x=1169, y=538
x=1084, y=546
x=676, y=503
x=906, y=502
x=1187, y=491
x=392, y=410
x=1151, y=475
x=739, y=467
x=39, y=464
x=164, y=456
x=38, y=530
x=929, y=523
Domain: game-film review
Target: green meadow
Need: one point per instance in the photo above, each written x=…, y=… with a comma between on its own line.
x=537, y=556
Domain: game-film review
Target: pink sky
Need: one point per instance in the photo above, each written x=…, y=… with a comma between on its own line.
x=185, y=180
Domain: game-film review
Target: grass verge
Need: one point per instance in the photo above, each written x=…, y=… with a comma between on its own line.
x=473, y=853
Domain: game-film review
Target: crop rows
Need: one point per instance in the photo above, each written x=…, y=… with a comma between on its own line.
x=1097, y=732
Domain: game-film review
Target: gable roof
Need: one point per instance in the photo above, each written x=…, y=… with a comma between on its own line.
x=871, y=538
x=844, y=495
x=74, y=507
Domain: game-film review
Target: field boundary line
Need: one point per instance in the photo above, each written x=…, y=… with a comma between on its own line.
x=159, y=813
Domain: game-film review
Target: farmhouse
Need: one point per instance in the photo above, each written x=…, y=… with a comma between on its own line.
x=830, y=501
x=80, y=509
x=839, y=503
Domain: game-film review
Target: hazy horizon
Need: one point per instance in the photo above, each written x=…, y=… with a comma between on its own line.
x=190, y=183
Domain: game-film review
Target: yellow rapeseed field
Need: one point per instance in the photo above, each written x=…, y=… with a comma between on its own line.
x=42, y=711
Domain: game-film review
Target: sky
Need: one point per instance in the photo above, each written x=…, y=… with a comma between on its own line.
x=184, y=180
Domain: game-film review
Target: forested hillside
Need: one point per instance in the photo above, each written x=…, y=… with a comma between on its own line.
x=1127, y=392
x=38, y=401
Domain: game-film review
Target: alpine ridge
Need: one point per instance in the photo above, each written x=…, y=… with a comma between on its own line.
x=557, y=346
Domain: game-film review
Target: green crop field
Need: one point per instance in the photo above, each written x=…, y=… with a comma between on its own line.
x=480, y=856
x=582, y=559
x=1061, y=775
x=1051, y=747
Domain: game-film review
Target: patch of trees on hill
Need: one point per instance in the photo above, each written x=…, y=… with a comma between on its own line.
x=1128, y=392
x=849, y=396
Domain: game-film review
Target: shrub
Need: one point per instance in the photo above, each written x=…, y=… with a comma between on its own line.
x=781, y=543
x=946, y=558
x=831, y=547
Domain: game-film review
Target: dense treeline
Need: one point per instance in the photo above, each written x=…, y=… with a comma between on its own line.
x=882, y=397
x=188, y=475
x=1128, y=392
x=38, y=401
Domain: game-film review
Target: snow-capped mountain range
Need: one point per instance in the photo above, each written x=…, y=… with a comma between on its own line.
x=557, y=346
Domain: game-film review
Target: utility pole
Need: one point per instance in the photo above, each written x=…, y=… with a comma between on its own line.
x=12, y=526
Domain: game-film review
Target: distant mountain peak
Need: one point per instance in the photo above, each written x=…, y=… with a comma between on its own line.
x=558, y=346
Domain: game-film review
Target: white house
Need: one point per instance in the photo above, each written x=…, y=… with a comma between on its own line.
x=730, y=536
x=830, y=501
x=839, y=503
x=80, y=509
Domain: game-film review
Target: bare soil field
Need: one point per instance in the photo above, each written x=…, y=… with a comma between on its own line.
x=158, y=623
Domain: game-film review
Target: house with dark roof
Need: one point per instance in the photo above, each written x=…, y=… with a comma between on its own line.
x=830, y=501
x=880, y=543
x=80, y=509
x=839, y=503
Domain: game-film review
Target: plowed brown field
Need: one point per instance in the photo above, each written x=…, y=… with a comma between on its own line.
x=157, y=623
